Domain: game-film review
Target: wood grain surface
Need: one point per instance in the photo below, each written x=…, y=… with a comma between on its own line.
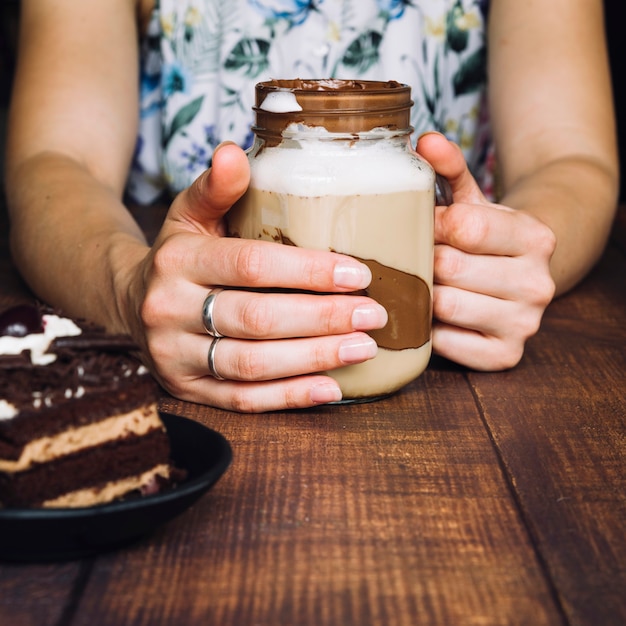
x=467, y=498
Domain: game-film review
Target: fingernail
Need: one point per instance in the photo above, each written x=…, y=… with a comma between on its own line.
x=352, y=275
x=357, y=350
x=430, y=132
x=369, y=316
x=325, y=392
x=222, y=144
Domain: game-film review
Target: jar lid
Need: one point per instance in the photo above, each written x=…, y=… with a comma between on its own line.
x=339, y=106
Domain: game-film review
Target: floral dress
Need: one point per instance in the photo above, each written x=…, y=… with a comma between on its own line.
x=201, y=60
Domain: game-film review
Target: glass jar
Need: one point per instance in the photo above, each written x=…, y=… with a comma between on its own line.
x=332, y=168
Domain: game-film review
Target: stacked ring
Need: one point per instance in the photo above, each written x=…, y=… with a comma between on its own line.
x=207, y=313
x=211, y=359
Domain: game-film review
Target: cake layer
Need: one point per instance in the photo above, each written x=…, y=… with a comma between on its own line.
x=90, y=468
x=48, y=448
x=56, y=412
x=112, y=490
x=79, y=423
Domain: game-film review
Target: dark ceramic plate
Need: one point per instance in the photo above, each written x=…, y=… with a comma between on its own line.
x=62, y=534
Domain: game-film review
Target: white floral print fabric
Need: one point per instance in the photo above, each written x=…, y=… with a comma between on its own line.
x=201, y=60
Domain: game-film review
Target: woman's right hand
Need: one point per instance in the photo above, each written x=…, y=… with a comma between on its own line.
x=275, y=344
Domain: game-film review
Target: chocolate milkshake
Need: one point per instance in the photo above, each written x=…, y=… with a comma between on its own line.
x=355, y=187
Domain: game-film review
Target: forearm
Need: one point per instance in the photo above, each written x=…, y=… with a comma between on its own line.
x=72, y=239
x=577, y=199
x=551, y=110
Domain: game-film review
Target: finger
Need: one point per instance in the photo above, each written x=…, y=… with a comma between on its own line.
x=485, y=314
x=490, y=229
x=262, y=264
x=289, y=393
x=249, y=315
x=203, y=204
x=191, y=381
x=256, y=361
x=242, y=360
x=504, y=277
x=475, y=350
x=447, y=159
x=456, y=268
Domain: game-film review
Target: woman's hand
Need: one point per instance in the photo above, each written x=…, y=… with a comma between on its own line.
x=492, y=269
x=274, y=344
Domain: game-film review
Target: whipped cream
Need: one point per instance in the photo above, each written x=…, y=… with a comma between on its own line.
x=38, y=343
x=7, y=410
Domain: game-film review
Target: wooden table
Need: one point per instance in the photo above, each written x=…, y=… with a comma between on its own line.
x=468, y=498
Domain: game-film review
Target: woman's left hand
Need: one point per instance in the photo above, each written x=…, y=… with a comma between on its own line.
x=492, y=269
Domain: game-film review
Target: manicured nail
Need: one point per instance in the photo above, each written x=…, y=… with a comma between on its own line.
x=369, y=316
x=325, y=392
x=352, y=275
x=357, y=350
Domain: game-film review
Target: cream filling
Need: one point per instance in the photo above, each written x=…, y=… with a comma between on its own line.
x=112, y=490
x=136, y=422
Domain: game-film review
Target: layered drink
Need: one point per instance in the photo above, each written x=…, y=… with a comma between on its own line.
x=364, y=193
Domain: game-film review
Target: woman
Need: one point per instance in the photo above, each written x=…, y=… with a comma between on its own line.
x=73, y=141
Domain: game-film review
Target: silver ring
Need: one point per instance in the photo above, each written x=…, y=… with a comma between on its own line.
x=207, y=313
x=211, y=359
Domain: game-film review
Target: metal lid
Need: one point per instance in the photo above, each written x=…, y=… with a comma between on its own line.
x=339, y=106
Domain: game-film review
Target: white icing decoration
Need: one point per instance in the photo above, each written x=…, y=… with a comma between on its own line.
x=38, y=343
x=7, y=410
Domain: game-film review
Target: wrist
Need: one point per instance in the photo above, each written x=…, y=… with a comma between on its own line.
x=126, y=255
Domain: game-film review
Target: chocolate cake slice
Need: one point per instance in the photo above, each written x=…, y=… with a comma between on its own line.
x=79, y=424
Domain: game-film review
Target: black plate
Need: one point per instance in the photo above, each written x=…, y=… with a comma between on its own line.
x=62, y=534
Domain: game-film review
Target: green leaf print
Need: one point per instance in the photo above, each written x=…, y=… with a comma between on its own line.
x=456, y=38
x=471, y=75
x=183, y=118
x=363, y=52
x=249, y=54
x=427, y=110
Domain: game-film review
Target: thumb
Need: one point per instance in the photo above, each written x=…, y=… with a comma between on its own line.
x=210, y=196
x=447, y=160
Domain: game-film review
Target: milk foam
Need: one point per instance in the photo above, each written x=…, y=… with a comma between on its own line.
x=322, y=166
x=280, y=102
